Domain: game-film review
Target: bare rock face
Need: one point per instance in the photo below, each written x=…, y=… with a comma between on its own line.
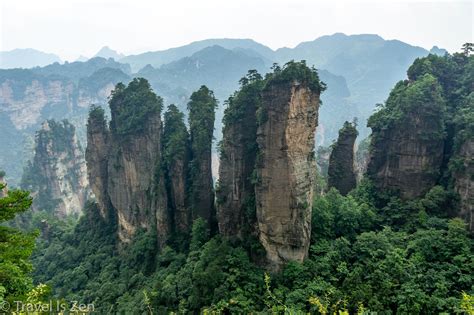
x=57, y=176
x=236, y=192
x=408, y=139
x=127, y=158
x=176, y=155
x=464, y=183
x=97, y=159
x=285, y=170
x=341, y=174
x=202, y=107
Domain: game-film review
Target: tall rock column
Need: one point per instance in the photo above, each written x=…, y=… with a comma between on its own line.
x=57, y=175
x=175, y=160
x=133, y=180
x=285, y=165
x=236, y=192
x=4, y=189
x=341, y=174
x=201, y=125
x=408, y=138
x=97, y=158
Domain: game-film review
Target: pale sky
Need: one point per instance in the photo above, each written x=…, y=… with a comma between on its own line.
x=70, y=28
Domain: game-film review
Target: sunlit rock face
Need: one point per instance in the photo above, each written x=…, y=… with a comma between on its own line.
x=285, y=170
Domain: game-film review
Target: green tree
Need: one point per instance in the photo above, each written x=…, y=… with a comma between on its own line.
x=15, y=248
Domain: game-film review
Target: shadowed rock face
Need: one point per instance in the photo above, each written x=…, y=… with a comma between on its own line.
x=464, y=183
x=125, y=161
x=341, y=174
x=408, y=139
x=236, y=192
x=57, y=175
x=285, y=170
x=403, y=161
x=97, y=160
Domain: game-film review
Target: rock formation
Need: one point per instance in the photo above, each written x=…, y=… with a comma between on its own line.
x=97, y=158
x=133, y=180
x=57, y=176
x=57, y=91
x=408, y=139
x=285, y=166
x=236, y=192
x=341, y=174
x=176, y=153
x=202, y=108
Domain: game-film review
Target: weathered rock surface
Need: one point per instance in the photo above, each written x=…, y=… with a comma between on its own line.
x=57, y=176
x=4, y=190
x=464, y=183
x=176, y=155
x=97, y=159
x=341, y=174
x=407, y=147
x=236, y=192
x=202, y=108
x=133, y=180
x=285, y=170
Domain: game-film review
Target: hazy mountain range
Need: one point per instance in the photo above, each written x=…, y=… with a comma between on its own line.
x=359, y=71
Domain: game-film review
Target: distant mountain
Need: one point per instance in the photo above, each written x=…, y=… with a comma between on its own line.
x=77, y=69
x=58, y=91
x=158, y=58
x=82, y=58
x=435, y=50
x=106, y=52
x=26, y=58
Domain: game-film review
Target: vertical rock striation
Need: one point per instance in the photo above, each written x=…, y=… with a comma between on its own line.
x=57, y=175
x=133, y=180
x=236, y=192
x=175, y=161
x=408, y=139
x=97, y=158
x=341, y=174
x=285, y=164
x=202, y=108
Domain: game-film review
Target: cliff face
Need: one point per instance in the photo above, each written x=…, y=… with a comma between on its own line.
x=285, y=170
x=408, y=139
x=57, y=176
x=97, y=159
x=201, y=124
x=30, y=96
x=236, y=192
x=126, y=161
x=464, y=182
x=341, y=174
x=176, y=153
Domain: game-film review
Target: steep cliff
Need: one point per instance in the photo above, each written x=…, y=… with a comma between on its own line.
x=341, y=174
x=57, y=175
x=134, y=181
x=287, y=120
x=408, y=138
x=176, y=155
x=58, y=91
x=97, y=158
x=236, y=193
x=202, y=106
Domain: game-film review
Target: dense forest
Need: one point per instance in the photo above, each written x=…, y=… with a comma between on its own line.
x=397, y=244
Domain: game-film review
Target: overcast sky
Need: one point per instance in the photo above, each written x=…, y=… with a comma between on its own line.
x=70, y=28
